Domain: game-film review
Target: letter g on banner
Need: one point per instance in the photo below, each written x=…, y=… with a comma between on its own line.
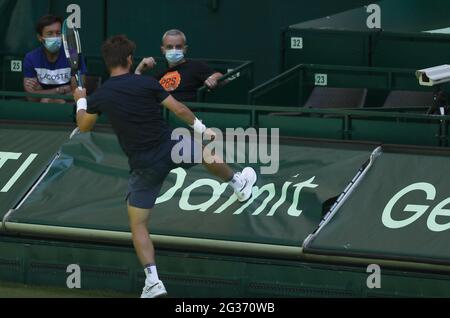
x=417, y=209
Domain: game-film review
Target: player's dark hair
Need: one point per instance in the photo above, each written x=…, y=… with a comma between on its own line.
x=47, y=20
x=116, y=50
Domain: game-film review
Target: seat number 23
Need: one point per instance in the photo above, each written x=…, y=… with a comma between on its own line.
x=321, y=79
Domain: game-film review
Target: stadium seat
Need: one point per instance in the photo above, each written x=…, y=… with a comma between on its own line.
x=331, y=97
x=409, y=99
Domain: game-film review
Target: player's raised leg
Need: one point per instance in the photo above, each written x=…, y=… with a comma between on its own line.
x=241, y=182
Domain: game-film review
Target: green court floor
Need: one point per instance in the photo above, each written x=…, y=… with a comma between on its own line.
x=8, y=290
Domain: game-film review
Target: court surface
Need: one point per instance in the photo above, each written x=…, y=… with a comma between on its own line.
x=9, y=290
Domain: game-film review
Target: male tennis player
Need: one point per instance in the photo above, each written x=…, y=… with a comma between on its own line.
x=133, y=105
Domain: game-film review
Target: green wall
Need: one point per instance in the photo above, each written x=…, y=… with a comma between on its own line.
x=17, y=19
x=398, y=16
x=243, y=30
x=227, y=29
x=236, y=29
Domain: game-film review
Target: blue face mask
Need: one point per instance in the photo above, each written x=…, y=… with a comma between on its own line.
x=53, y=44
x=174, y=56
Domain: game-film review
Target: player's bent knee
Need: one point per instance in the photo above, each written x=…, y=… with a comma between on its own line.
x=138, y=216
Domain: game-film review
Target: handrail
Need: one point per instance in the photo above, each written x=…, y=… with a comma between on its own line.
x=374, y=112
x=32, y=95
x=252, y=92
x=201, y=92
x=322, y=111
x=295, y=253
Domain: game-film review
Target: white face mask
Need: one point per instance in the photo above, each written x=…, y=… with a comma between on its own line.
x=174, y=56
x=53, y=44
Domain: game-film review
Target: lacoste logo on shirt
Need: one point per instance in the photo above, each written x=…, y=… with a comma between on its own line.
x=53, y=77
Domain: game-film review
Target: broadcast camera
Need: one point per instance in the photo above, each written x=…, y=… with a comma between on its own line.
x=436, y=76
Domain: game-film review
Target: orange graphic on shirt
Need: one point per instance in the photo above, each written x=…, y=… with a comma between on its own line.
x=170, y=81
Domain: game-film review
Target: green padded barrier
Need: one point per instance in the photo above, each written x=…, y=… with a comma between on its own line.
x=304, y=126
x=319, y=46
x=375, y=124
x=205, y=275
x=93, y=169
x=396, y=132
x=225, y=120
x=216, y=119
x=25, y=151
x=21, y=110
x=397, y=211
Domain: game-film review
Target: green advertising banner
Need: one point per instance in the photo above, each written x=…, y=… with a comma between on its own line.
x=25, y=151
x=86, y=187
x=399, y=211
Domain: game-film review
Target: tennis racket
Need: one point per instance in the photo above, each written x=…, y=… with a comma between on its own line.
x=72, y=49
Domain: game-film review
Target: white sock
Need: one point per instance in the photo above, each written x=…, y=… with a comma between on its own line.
x=151, y=273
x=236, y=182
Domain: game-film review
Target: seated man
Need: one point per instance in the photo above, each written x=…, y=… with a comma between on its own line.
x=46, y=69
x=182, y=77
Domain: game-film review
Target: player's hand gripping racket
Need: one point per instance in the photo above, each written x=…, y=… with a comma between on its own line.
x=72, y=49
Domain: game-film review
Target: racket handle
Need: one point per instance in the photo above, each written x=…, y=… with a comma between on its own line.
x=79, y=80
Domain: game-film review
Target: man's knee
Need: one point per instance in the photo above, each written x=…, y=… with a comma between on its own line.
x=137, y=216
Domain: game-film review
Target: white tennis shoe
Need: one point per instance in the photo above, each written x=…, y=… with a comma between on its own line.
x=153, y=289
x=248, y=179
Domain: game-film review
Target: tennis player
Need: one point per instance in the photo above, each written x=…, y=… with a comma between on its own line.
x=133, y=105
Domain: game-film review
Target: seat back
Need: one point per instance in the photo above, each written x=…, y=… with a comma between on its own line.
x=408, y=99
x=332, y=97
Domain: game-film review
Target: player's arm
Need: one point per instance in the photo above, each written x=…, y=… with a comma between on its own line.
x=185, y=114
x=146, y=64
x=85, y=121
x=31, y=85
x=179, y=109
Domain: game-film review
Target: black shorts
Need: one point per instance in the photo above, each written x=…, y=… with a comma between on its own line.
x=145, y=184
